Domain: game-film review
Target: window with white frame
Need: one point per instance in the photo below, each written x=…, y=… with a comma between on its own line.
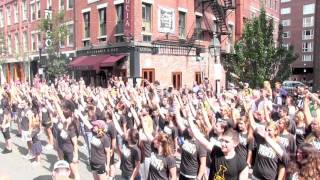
x=70, y=4
x=8, y=12
x=307, y=34
x=285, y=10
x=286, y=22
x=146, y=17
x=70, y=38
x=32, y=12
x=308, y=21
x=38, y=10
x=9, y=44
x=1, y=18
x=286, y=34
x=33, y=42
x=284, y=1
x=16, y=43
x=307, y=57
x=16, y=13
x=25, y=41
x=39, y=42
x=49, y=4
x=62, y=42
x=24, y=10
x=86, y=22
x=102, y=22
x=61, y=5
x=285, y=45
x=307, y=47
x=308, y=9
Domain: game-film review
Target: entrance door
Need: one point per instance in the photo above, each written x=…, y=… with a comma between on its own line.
x=148, y=74
x=177, y=80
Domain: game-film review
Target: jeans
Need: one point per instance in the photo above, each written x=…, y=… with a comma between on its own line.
x=144, y=168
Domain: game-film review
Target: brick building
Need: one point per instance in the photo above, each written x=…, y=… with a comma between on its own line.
x=161, y=40
x=316, y=60
x=19, y=21
x=297, y=18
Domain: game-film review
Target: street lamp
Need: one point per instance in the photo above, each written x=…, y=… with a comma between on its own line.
x=215, y=50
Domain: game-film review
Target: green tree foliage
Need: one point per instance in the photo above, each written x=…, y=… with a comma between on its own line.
x=56, y=30
x=257, y=57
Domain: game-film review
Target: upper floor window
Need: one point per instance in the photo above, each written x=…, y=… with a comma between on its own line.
x=61, y=5
x=146, y=17
x=308, y=21
x=38, y=10
x=182, y=24
x=16, y=43
x=70, y=38
x=24, y=10
x=120, y=18
x=307, y=34
x=308, y=9
x=33, y=12
x=8, y=12
x=283, y=1
x=33, y=42
x=285, y=10
x=70, y=4
x=286, y=22
x=9, y=45
x=307, y=57
x=1, y=18
x=307, y=47
x=25, y=40
x=16, y=13
x=86, y=20
x=49, y=4
x=286, y=34
x=198, y=30
x=102, y=21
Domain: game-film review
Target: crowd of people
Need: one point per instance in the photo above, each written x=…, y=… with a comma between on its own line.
x=241, y=133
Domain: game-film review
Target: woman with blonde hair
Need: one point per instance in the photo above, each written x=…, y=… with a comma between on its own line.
x=162, y=164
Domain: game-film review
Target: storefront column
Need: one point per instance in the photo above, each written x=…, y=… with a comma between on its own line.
x=134, y=63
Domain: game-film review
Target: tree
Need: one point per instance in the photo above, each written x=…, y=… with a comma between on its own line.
x=257, y=57
x=56, y=32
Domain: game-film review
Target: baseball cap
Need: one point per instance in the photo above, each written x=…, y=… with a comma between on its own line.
x=61, y=164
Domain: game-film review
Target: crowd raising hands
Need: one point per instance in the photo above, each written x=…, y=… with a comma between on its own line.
x=142, y=131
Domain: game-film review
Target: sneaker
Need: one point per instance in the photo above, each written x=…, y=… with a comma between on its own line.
x=29, y=156
x=6, y=151
x=48, y=147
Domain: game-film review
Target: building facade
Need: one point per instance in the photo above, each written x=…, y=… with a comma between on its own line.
x=161, y=40
x=316, y=59
x=298, y=21
x=24, y=43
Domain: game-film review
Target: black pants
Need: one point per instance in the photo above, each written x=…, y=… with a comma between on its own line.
x=181, y=177
x=6, y=133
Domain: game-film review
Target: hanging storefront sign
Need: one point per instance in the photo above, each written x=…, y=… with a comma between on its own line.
x=166, y=20
x=128, y=14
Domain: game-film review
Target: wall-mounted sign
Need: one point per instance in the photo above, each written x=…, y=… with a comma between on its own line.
x=128, y=14
x=166, y=20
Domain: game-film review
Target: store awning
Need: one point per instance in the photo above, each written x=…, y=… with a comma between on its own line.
x=111, y=60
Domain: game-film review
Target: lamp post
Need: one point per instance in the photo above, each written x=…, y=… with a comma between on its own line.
x=39, y=61
x=215, y=50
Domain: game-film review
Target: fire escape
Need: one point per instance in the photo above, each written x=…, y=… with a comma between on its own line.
x=176, y=45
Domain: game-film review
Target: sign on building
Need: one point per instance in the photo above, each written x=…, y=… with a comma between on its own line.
x=128, y=14
x=166, y=20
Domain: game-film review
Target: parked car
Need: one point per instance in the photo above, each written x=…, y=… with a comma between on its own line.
x=290, y=86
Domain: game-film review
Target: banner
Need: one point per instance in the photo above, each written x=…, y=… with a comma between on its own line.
x=166, y=20
x=128, y=16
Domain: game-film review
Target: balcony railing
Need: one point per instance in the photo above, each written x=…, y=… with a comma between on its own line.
x=119, y=27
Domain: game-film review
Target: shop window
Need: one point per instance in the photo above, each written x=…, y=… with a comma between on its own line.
x=198, y=77
x=148, y=74
x=177, y=80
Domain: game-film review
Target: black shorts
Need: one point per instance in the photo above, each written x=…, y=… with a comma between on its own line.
x=67, y=156
x=99, y=168
x=47, y=125
x=6, y=133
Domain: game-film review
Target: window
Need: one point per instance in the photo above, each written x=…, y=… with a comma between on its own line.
x=86, y=43
x=119, y=38
x=146, y=17
x=307, y=47
x=286, y=46
x=307, y=57
x=198, y=30
x=146, y=38
x=1, y=18
x=24, y=10
x=284, y=1
x=102, y=22
x=61, y=5
x=308, y=9
x=119, y=26
x=39, y=40
x=9, y=45
x=33, y=42
x=38, y=10
x=70, y=38
x=286, y=22
x=25, y=41
x=8, y=16
x=198, y=77
x=62, y=42
x=70, y=4
x=32, y=11
x=285, y=10
x=177, y=80
x=86, y=19
x=182, y=25
x=286, y=34
x=49, y=4
x=16, y=13
x=148, y=74
x=308, y=21
x=307, y=34
x=16, y=43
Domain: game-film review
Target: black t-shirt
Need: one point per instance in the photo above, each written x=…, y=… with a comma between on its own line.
x=98, y=145
x=191, y=153
x=65, y=144
x=160, y=167
x=111, y=131
x=244, y=146
x=129, y=156
x=146, y=148
x=45, y=116
x=300, y=135
x=267, y=161
x=289, y=143
x=222, y=168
